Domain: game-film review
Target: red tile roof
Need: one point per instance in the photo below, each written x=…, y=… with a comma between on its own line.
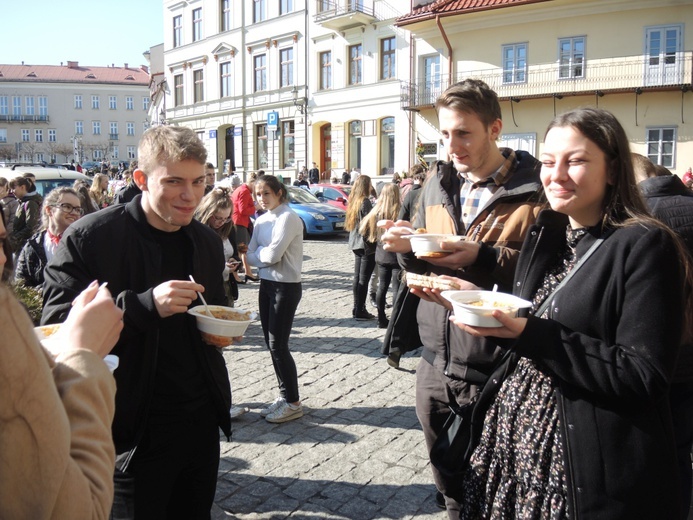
x=457, y=7
x=74, y=73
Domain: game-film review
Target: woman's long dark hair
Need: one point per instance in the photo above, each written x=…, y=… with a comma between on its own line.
x=9, y=265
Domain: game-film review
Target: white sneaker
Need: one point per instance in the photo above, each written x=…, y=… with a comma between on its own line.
x=286, y=412
x=237, y=411
x=272, y=407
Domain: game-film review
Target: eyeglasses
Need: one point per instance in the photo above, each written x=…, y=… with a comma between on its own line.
x=69, y=208
x=221, y=219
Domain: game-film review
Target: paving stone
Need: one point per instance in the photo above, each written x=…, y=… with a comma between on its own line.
x=358, y=452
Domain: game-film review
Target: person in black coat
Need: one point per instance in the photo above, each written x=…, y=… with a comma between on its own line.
x=173, y=388
x=583, y=413
x=671, y=202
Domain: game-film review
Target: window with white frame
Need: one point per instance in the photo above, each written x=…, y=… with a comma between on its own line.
x=286, y=6
x=571, y=57
x=178, y=90
x=387, y=58
x=198, y=86
x=197, y=24
x=131, y=152
x=286, y=66
x=112, y=103
x=288, y=154
x=664, y=59
x=129, y=103
x=355, y=64
x=225, y=15
x=260, y=70
x=29, y=108
x=325, y=70
x=115, y=151
x=98, y=154
x=96, y=127
x=38, y=135
x=78, y=101
x=4, y=106
x=43, y=107
x=225, y=79
x=3, y=135
x=515, y=63
x=177, y=30
x=113, y=130
x=661, y=146
x=145, y=103
x=130, y=128
x=39, y=157
x=261, y=157
x=526, y=142
x=387, y=146
x=16, y=105
x=259, y=10
x=26, y=137
x=52, y=136
x=79, y=127
x=95, y=102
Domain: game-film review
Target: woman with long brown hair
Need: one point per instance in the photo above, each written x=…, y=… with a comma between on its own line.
x=364, y=250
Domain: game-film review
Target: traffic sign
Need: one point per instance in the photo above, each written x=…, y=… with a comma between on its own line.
x=212, y=134
x=272, y=120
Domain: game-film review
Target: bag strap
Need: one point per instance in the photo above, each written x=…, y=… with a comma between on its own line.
x=581, y=262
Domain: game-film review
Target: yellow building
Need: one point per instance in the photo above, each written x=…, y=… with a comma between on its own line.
x=545, y=57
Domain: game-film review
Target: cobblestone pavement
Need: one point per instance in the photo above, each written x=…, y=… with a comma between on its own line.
x=358, y=452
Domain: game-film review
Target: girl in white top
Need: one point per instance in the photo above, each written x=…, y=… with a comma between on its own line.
x=276, y=249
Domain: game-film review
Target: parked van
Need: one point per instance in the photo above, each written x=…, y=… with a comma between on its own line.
x=47, y=179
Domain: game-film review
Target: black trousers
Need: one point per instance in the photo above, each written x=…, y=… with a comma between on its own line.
x=433, y=399
x=278, y=302
x=386, y=273
x=363, y=269
x=173, y=472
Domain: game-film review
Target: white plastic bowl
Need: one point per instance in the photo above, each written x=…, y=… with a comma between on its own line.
x=479, y=315
x=428, y=244
x=219, y=332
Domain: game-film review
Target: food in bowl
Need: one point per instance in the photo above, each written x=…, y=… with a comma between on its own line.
x=225, y=323
x=427, y=245
x=46, y=331
x=476, y=307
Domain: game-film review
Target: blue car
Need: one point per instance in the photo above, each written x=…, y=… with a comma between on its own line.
x=318, y=218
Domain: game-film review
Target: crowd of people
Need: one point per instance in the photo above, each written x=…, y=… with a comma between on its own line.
x=580, y=405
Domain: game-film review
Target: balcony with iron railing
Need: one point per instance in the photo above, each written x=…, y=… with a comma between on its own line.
x=13, y=118
x=112, y=137
x=593, y=77
x=340, y=15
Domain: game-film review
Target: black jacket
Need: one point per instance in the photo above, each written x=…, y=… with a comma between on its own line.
x=27, y=220
x=116, y=245
x=611, y=344
x=127, y=193
x=32, y=261
x=671, y=202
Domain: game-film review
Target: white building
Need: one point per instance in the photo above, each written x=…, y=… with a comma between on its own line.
x=323, y=73
x=59, y=113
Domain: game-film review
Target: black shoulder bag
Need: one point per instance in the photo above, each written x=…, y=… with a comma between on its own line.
x=461, y=432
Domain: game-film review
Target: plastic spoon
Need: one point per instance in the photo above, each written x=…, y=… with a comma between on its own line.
x=209, y=313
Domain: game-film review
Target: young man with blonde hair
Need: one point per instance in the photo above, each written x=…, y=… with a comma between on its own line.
x=173, y=389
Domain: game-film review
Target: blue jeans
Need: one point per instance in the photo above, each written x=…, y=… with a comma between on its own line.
x=278, y=302
x=363, y=269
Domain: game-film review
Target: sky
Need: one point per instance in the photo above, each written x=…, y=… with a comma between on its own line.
x=93, y=32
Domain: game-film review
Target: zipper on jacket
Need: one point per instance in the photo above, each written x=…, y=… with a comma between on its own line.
x=522, y=282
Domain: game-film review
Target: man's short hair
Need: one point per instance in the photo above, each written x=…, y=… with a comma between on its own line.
x=473, y=96
x=642, y=167
x=162, y=144
x=209, y=165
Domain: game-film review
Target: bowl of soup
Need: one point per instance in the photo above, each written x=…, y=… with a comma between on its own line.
x=476, y=307
x=225, y=323
x=427, y=245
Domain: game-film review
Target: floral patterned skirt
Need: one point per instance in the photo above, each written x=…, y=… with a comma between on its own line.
x=517, y=469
